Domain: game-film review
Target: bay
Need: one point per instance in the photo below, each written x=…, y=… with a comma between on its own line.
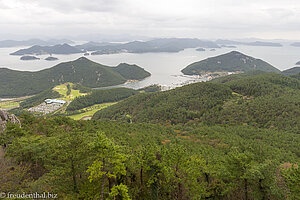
x=164, y=67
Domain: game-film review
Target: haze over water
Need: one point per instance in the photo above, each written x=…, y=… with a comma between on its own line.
x=164, y=67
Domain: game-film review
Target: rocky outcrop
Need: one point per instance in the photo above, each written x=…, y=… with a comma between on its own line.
x=5, y=117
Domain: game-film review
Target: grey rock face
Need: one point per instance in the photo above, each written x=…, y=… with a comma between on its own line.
x=6, y=117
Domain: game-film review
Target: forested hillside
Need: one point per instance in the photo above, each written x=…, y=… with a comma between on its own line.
x=100, y=96
x=236, y=137
x=100, y=160
x=83, y=71
x=257, y=99
x=230, y=62
x=178, y=105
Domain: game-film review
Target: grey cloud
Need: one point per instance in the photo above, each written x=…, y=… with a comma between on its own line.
x=197, y=18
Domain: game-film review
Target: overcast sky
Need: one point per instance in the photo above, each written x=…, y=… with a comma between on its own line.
x=208, y=19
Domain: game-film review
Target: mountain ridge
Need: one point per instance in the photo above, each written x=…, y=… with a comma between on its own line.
x=84, y=71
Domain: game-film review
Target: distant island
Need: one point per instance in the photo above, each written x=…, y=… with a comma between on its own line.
x=230, y=62
x=40, y=50
x=200, y=49
x=155, y=45
x=83, y=71
x=228, y=46
x=50, y=58
x=29, y=58
x=31, y=42
x=256, y=43
x=296, y=44
x=86, y=54
x=298, y=63
x=291, y=71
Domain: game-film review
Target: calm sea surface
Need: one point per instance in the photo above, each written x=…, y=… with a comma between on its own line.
x=164, y=67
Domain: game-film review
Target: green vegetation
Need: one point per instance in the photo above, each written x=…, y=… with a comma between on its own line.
x=81, y=88
x=9, y=104
x=151, y=88
x=56, y=49
x=100, y=160
x=291, y=71
x=266, y=100
x=67, y=91
x=175, y=106
x=101, y=96
x=89, y=111
x=233, y=138
x=131, y=72
x=83, y=71
x=230, y=62
x=39, y=98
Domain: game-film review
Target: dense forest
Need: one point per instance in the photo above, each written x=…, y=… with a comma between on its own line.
x=105, y=160
x=233, y=138
x=100, y=96
x=258, y=99
x=229, y=62
x=82, y=71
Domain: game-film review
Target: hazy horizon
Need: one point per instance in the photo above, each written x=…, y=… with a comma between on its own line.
x=104, y=19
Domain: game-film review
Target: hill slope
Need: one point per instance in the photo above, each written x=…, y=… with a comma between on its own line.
x=230, y=62
x=178, y=105
x=261, y=100
x=291, y=71
x=83, y=71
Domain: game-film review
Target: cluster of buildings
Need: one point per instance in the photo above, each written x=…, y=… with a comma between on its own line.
x=49, y=106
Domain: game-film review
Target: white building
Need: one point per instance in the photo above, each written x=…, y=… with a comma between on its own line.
x=58, y=101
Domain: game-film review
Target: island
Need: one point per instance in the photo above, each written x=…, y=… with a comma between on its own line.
x=230, y=62
x=200, y=49
x=228, y=46
x=291, y=71
x=298, y=63
x=29, y=58
x=82, y=71
x=256, y=43
x=86, y=54
x=155, y=45
x=31, y=42
x=296, y=44
x=40, y=50
x=50, y=58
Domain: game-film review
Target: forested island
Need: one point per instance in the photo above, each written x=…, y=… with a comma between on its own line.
x=50, y=58
x=230, y=62
x=29, y=58
x=82, y=70
x=40, y=50
x=291, y=71
x=155, y=45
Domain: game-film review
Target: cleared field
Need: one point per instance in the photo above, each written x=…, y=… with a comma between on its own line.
x=90, y=111
x=63, y=89
x=9, y=104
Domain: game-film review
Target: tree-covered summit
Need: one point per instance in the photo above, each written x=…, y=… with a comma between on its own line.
x=233, y=61
x=84, y=71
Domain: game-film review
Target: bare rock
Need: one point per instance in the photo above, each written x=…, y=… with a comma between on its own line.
x=6, y=117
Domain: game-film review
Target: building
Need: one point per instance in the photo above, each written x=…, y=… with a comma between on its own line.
x=58, y=101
